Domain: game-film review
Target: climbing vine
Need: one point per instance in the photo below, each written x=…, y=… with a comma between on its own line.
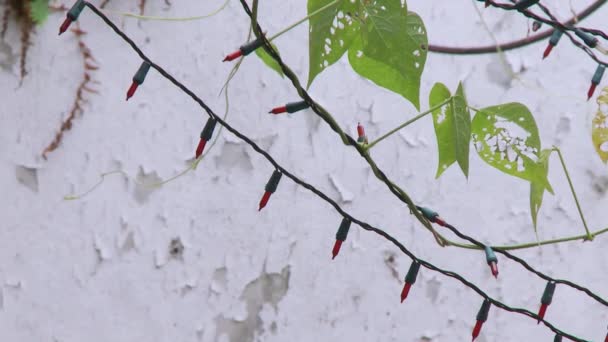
x=387, y=44
x=27, y=14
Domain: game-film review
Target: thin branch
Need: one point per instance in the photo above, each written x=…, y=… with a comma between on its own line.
x=320, y=194
x=400, y=194
x=578, y=205
x=474, y=50
x=407, y=123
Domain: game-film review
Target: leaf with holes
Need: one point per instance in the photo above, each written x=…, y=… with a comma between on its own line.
x=39, y=11
x=537, y=189
x=391, y=50
x=452, y=127
x=331, y=32
x=269, y=61
x=506, y=137
x=599, y=126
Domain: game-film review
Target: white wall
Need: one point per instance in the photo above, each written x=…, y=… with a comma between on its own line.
x=99, y=269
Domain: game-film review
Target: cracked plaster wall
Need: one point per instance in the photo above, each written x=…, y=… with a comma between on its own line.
x=195, y=261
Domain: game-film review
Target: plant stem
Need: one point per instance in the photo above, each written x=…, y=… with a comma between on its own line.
x=254, y=15
x=303, y=19
x=147, y=17
x=412, y=120
x=584, y=237
x=578, y=205
x=442, y=241
x=472, y=50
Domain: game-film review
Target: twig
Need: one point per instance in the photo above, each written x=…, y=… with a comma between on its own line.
x=589, y=236
x=473, y=50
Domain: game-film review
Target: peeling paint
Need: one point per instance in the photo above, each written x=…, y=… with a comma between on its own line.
x=180, y=262
x=233, y=156
x=27, y=176
x=268, y=288
x=144, y=185
x=346, y=196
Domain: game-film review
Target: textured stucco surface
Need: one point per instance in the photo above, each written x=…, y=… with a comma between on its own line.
x=195, y=261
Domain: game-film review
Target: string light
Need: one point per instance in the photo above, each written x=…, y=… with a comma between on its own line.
x=557, y=338
x=138, y=79
x=599, y=47
x=344, y=227
x=206, y=135
x=492, y=261
x=597, y=78
x=546, y=299
x=536, y=25
x=244, y=50
x=271, y=187
x=257, y=28
x=482, y=316
x=555, y=37
x=291, y=107
x=340, y=237
x=362, y=138
x=432, y=216
x=410, y=279
x=588, y=39
x=72, y=15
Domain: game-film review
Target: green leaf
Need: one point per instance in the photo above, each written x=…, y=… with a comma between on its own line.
x=599, y=126
x=39, y=11
x=462, y=129
x=331, y=33
x=269, y=61
x=443, y=121
x=506, y=137
x=391, y=51
x=452, y=128
x=537, y=190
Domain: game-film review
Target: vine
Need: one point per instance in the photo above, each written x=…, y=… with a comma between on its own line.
x=387, y=44
x=30, y=13
x=343, y=21
x=333, y=33
x=89, y=65
x=343, y=231
x=22, y=13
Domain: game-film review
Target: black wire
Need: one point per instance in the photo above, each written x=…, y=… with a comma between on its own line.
x=315, y=107
x=556, y=25
x=594, y=32
x=317, y=192
x=528, y=267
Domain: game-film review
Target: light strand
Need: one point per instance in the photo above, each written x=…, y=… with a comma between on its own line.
x=310, y=187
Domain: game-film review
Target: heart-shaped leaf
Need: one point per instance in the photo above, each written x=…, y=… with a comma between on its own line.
x=506, y=137
x=391, y=50
x=452, y=123
x=599, y=126
x=331, y=32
